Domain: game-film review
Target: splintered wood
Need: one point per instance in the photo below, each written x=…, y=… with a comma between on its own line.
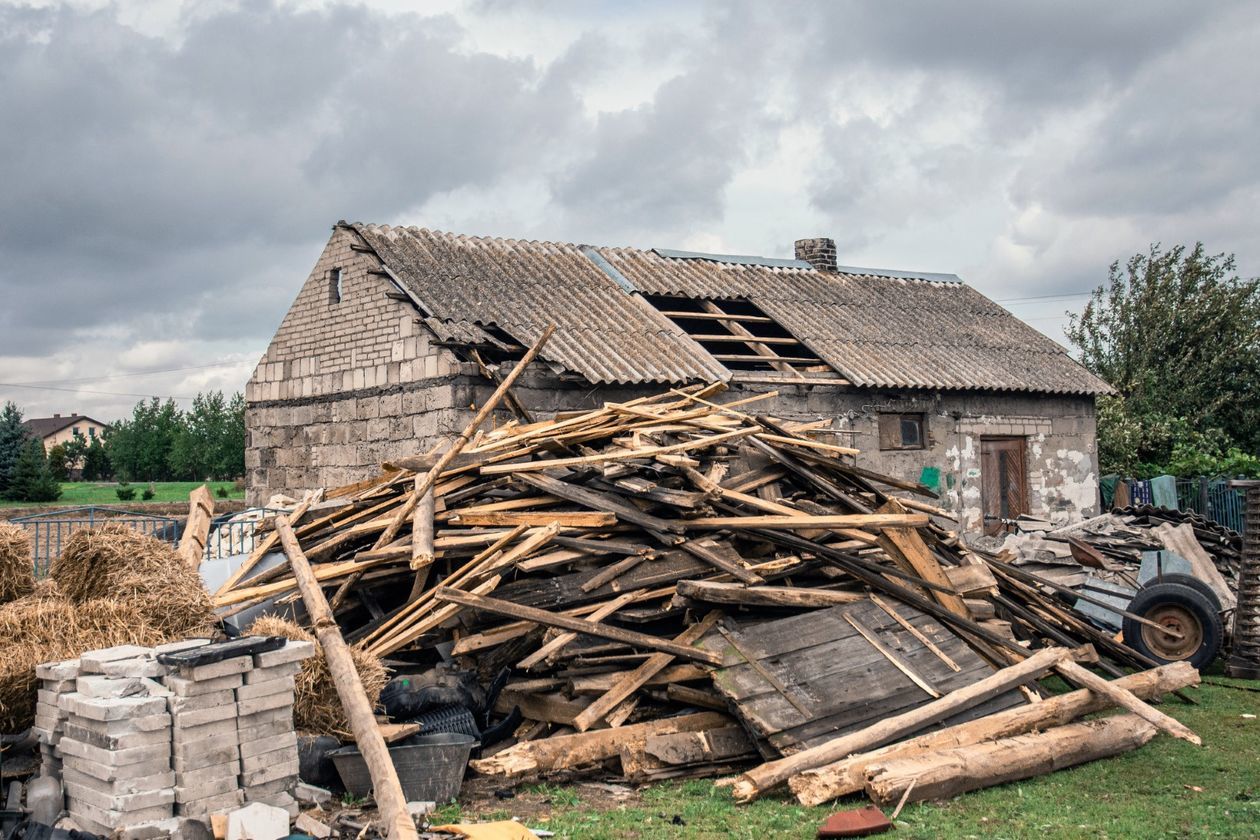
x=676, y=587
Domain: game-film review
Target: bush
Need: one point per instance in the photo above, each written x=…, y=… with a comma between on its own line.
x=125, y=492
x=147, y=494
x=222, y=492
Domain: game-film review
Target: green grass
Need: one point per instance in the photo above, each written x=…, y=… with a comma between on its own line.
x=1153, y=792
x=78, y=493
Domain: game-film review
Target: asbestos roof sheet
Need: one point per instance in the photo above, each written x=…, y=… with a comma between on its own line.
x=882, y=330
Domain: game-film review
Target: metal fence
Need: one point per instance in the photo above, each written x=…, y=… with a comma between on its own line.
x=1213, y=498
x=229, y=536
x=50, y=531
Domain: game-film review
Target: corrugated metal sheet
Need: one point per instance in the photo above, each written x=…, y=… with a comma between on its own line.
x=875, y=330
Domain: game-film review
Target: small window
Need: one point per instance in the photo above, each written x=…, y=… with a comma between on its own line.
x=902, y=431
x=334, y=286
x=74, y=431
x=92, y=432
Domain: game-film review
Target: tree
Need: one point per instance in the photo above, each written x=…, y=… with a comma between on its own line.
x=96, y=461
x=211, y=443
x=32, y=480
x=12, y=438
x=1177, y=334
x=59, y=462
x=140, y=448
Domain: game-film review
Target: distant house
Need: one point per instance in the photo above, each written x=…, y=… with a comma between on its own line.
x=62, y=428
x=380, y=356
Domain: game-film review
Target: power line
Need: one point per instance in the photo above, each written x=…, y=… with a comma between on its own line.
x=86, y=391
x=1033, y=298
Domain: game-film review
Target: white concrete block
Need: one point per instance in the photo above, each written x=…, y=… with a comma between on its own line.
x=257, y=821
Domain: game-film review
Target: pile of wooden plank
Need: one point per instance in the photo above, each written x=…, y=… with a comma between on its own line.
x=682, y=587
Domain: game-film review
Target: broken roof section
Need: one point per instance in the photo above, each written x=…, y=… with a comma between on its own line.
x=880, y=329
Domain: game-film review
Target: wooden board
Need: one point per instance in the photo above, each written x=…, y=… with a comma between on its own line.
x=834, y=680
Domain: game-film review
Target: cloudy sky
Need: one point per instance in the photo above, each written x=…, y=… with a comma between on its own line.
x=171, y=170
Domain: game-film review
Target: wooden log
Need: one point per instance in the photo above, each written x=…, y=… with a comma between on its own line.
x=192, y=545
x=948, y=773
x=386, y=789
x=404, y=511
x=605, y=631
x=764, y=596
x=636, y=679
x=600, y=683
x=822, y=784
x=422, y=552
x=1125, y=699
x=765, y=778
x=564, y=752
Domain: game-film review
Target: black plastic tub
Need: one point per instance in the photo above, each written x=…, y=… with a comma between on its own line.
x=430, y=768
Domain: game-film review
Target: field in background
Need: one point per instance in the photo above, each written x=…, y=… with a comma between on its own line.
x=78, y=493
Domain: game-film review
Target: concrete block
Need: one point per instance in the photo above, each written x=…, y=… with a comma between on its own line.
x=275, y=771
x=204, y=789
x=92, y=660
x=120, y=801
x=175, y=828
x=273, y=672
x=263, y=731
x=258, y=821
x=223, y=730
x=121, y=741
x=275, y=788
x=143, y=723
x=262, y=689
x=292, y=652
x=261, y=761
x=200, y=717
x=66, y=669
x=211, y=755
x=258, y=746
x=182, y=687
x=120, y=787
x=209, y=774
x=99, y=686
x=138, y=667
x=211, y=804
x=180, y=706
x=59, y=686
x=254, y=705
x=107, y=773
x=283, y=713
x=236, y=665
x=49, y=698
x=115, y=819
x=311, y=794
x=119, y=708
x=114, y=758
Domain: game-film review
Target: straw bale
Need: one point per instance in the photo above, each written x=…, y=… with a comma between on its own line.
x=17, y=573
x=121, y=564
x=316, y=705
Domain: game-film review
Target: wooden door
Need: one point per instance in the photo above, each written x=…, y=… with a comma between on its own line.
x=1003, y=481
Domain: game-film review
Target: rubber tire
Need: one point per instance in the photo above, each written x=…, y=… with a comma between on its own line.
x=1190, y=581
x=1175, y=594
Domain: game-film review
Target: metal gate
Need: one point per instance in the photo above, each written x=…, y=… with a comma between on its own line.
x=50, y=531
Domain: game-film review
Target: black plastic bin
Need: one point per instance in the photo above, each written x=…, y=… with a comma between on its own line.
x=430, y=768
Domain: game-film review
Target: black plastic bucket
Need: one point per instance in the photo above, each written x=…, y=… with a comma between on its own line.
x=430, y=769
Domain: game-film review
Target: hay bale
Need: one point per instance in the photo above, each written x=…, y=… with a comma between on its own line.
x=316, y=705
x=123, y=565
x=17, y=570
x=45, y=627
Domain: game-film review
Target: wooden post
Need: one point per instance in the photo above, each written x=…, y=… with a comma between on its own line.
x=192, y=545
x=1125, y=699
x=766, y=777
x=395, y=525
x=422, y=540
x=385, y=786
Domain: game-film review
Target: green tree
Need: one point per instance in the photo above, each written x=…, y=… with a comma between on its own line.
x=12, y=438
x=1177, y=333
x=59, y=462
x=96, y=464
x=211, y=443
x=139, y=448
x=32, y=480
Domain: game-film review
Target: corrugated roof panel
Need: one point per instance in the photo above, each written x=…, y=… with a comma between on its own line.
x=878, y=328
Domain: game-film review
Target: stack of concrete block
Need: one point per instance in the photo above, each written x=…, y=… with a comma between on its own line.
x=55, y=679
x=116, y=741
x=206, y=758
x=268, y=741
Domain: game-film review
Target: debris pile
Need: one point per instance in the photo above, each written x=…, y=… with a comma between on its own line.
x=671, y=587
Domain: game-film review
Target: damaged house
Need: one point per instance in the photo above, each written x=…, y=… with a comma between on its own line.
x=391, y=340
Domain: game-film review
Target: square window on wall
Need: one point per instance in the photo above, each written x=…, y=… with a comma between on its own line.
x=902, y=431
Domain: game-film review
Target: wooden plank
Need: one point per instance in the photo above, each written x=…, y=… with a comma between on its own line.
x=616, y=634
x=914, y=631
x=908, y=549
x=567, y=519
x=558, y=643
x=192, y=545
x=764, y=596
x=896, y=660
x=627, y=454
x=803, y=522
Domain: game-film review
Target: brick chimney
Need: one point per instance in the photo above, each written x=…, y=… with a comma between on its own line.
x=820, y=253
x=56, y=415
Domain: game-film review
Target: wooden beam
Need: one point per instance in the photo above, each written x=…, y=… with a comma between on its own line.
x=616, y=634
x=764, y=596
x=804, y=522
x=1125, y=699
x=192, y=545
